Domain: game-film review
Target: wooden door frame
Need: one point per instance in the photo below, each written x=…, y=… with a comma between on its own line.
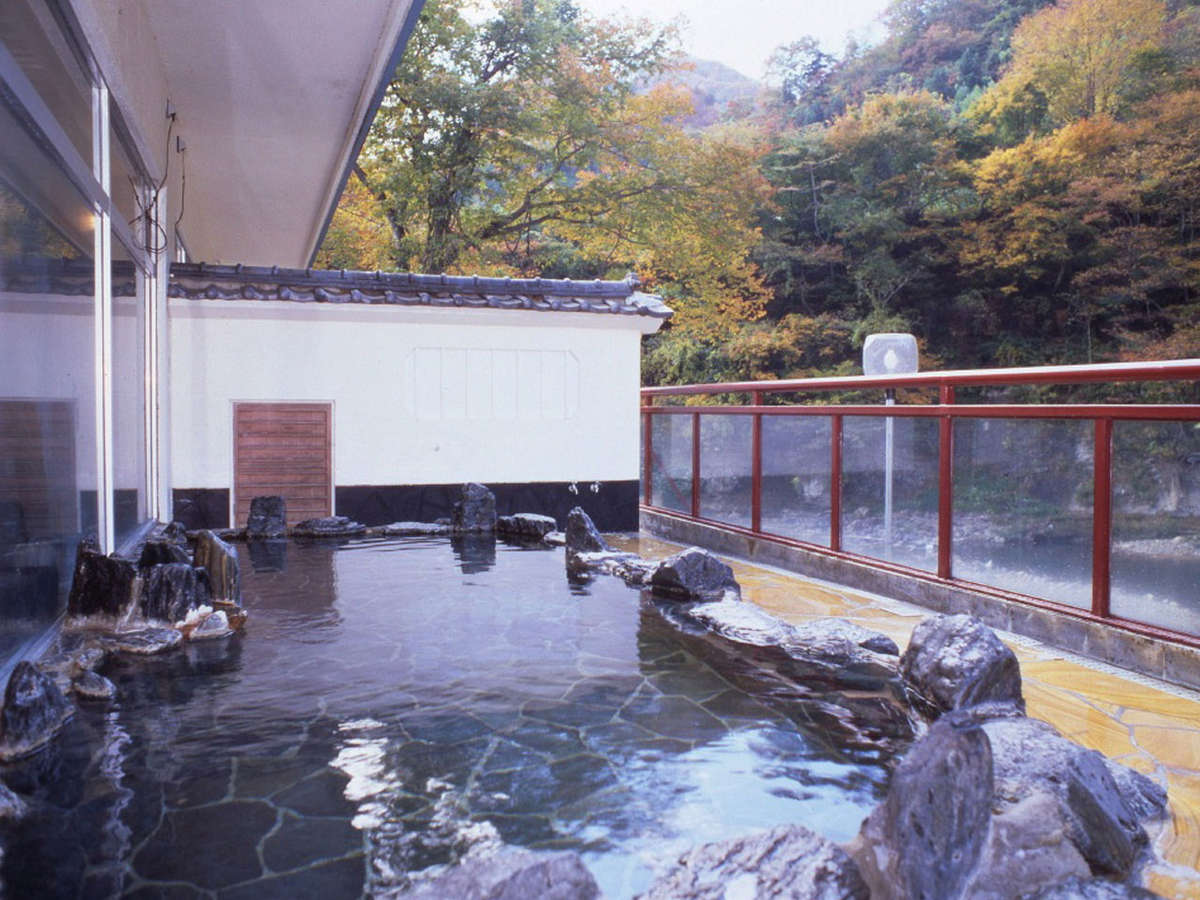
x=233, y=405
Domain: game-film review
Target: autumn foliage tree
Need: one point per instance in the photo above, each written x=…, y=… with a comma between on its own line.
x=514, y=139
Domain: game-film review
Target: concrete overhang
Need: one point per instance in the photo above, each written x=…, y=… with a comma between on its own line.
x=274, y=98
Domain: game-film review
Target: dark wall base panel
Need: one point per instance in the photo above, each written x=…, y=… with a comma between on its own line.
x=201, y=507
x=613, y=506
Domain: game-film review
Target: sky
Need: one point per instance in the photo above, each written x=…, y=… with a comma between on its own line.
x=742, y=33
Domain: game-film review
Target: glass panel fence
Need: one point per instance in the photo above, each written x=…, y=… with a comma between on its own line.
x=910, y=536
x=1022, y=516
x=796, y=476
x=725, y=469
x=671, y=478
x=1156, y=524
x=47, y=386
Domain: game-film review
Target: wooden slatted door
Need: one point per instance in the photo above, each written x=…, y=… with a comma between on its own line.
x=284, y=449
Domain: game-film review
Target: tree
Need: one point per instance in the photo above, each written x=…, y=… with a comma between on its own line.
x=1081, y=53
x=803, y=71
x=520, y=138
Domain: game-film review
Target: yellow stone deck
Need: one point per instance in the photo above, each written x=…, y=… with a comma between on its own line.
x=1146, y=724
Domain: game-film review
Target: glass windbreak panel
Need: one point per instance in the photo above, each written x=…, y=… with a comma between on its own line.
x=725, y=469
x=1156, y=524
x=796, y=477
x=1023, y=506
x=126, y=187
x=47, y=387
x=31, y=34
x=129, y=445
x=909, y=537
x=671, y=480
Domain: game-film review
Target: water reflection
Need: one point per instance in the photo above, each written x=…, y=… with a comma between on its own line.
x=387, y=709
x=475, y=552
x=268, y=554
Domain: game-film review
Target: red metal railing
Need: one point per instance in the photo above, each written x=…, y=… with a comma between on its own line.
x=946, y=411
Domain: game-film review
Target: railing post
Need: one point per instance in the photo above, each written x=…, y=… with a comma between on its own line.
x=696, y=465
x=945, y=483
x=1102, y=517
x=835, y=483
x=756, y=465
x=648, y=452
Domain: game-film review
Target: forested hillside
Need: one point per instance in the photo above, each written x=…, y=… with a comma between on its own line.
x=1014, y=182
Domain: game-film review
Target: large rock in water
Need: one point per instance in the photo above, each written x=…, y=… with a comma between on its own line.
x=268, y=517
x=103, y=585
x=582, y=536
x=329, y=527
x=829, y=651
x=789, y=861
x=511, y=875
x=695, y=574
x=220, y=561
x=35, y=710
x=146, y=641
x=160, y=552
x=924, y=841
x=953, y=662
x=173, y=590
x=530, y=525
x=1102, y=803
x=476, y=511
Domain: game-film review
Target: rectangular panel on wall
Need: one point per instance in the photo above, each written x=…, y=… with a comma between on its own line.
x=37, y=467
x=283, y=449
x=486, y=384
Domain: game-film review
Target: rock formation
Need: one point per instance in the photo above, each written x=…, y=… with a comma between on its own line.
x=476, y=511
x=102, y=585
x=953, y=662
x=329, y=527
x=694, y=574
x=221, y=562
x=783, y=862
x=34, y=711
x=268, y=518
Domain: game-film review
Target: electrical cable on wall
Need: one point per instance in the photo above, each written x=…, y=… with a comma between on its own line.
x=157, y=238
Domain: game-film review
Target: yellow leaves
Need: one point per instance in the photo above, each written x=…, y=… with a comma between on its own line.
x=359, y=236
x=1079, y=53
x=1047, y=165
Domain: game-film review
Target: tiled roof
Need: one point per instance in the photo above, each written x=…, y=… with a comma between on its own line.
x=199, y=281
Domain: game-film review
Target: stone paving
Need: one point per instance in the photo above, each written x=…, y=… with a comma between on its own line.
x=1146, y=724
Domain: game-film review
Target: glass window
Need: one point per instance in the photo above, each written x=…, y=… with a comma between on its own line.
x=31, y=34
x=129, y=188
x=128, y=367
x=47, y=389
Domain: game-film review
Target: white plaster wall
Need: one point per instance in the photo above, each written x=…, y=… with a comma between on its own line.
x=420, y=396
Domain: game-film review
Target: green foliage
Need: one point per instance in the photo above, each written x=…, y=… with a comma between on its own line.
x=1014, y=181
x=1047, y=217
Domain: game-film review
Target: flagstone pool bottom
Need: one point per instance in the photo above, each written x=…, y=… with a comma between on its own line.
x=385, y=695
